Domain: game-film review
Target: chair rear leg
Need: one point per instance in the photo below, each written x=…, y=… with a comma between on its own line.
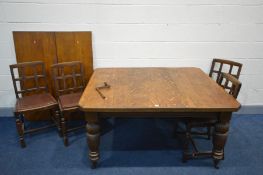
x=195, y=153
x=224, y=154
x=64, y=130
x=175, y=128
x=194, y=146
x=185, y=150
x=59, y=123
x=209, y=132
x=186, y=144
x=57, y=120
x=20, y=129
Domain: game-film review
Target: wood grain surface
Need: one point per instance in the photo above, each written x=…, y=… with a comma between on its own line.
x=52, y=48
x=156, y=90
x=75, y=46
x=36, y=46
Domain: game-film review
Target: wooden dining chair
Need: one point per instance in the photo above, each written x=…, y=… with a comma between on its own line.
x=218, y=66
x=69, y=84
x=32, y=94
x=221, y=65
x=232, y=86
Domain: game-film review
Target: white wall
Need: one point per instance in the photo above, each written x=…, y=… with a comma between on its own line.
x=146, y=33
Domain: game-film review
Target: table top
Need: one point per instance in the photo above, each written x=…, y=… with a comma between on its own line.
x=186, y=89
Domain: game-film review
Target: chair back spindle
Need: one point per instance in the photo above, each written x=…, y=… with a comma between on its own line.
x=227, y=80
x=28, y=78
x=68, y=77
x=223, y=64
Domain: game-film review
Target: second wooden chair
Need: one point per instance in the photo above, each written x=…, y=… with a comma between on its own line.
x=69, y=84
x=221, y=65
x=218, y=66
x=232, y=86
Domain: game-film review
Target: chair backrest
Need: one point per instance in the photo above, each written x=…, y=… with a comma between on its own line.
x=230, y=84
x=29, y=78
x=227, y=66
x=68, y=77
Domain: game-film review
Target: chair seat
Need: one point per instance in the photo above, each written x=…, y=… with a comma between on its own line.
x=69, y=101
x=35, y=102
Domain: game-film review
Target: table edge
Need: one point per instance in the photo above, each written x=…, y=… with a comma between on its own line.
x=83, y=108
x=159, y=109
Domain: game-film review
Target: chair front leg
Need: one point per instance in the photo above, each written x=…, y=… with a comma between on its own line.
x=186, y=144
x=57, y=119
x=209, y=132
x=20, y=129
x=64, y=129
x=57, y=113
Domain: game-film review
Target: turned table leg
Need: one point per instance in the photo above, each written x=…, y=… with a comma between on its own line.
x=220, y=137
x=93, y=137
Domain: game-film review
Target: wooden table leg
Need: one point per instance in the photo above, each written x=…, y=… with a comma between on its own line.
x=93, y=137
x=220, y=137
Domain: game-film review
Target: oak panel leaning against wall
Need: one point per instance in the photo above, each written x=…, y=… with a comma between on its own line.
x=51, y=48
x=75, y=46
x=36, y=46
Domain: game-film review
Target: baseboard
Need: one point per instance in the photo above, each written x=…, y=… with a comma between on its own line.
x=249, y=109
x=6, y=112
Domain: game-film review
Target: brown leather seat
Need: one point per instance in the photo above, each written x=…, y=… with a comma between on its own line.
x=69, y=101
x=35, y=102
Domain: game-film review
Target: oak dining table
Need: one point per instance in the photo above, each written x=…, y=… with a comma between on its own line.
x=155, y=92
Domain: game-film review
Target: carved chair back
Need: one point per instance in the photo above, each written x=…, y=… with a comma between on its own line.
x=227, y=66
x=68, y=77
x=29, y=78
x=227, y=80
